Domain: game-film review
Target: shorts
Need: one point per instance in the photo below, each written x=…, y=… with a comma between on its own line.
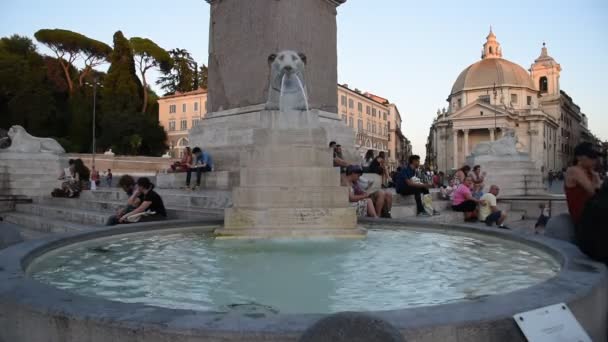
x=465, y=207
x=493, y=218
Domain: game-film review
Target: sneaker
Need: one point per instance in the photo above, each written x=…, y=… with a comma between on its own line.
x=386, y=215
x=196, y=187
x=423, y=214
x=502, y=226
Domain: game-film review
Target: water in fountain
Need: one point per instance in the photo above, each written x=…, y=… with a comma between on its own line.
x=284, y=101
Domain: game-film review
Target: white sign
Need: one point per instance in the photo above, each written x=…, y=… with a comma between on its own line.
x=554, y=323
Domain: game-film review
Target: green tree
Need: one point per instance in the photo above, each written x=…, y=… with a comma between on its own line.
x=122, y=91
x=148, y=55
x=181, y=77
x=68, y=46
x=26, y=96
x=203, y=77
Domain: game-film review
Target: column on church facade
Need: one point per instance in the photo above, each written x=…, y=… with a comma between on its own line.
x=466, y=143
x=455, y=136
x=492, y=134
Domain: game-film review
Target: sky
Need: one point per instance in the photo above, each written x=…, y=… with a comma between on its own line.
x=410, y=52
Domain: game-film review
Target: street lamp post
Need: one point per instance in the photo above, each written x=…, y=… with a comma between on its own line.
x=94, y=85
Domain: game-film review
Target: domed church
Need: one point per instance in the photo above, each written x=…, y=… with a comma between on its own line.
x=495, y=94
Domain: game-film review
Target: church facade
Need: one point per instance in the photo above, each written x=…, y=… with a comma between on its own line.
x=493, y=95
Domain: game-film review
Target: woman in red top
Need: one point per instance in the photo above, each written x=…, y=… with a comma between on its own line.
x=581, y=180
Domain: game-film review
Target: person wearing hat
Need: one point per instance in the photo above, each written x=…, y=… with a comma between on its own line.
x=581, y=181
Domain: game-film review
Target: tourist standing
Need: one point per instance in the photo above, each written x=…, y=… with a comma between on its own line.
x=109, y=178
x=488, y=210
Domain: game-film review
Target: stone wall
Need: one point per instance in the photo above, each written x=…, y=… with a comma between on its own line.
x=125, y=164
x=243, y=34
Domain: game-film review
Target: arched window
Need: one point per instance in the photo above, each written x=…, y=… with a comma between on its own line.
x=183, y=142
x=543, y=84
x=491, y=50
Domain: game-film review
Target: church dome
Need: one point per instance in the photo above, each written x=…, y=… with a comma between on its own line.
x=492, y=71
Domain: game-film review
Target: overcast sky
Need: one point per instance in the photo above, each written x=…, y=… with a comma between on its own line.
x=409, y=52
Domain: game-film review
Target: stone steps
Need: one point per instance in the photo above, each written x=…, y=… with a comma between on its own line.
x=55, y=212
x=42, y=224
x=209, y=199
x=216, y=180
x=110, y=207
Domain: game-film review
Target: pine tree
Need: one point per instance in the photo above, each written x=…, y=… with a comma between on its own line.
x=122, y=91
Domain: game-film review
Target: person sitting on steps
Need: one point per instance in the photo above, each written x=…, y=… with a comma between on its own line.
x=151, y=208
x=362, y=201
x=464, y=202
x=488, y=211
x=382, y=200
x=406, y=183
x=378, y=166
x=461, y=174
x=201, y=162
x=127, y=184
x=182, y=165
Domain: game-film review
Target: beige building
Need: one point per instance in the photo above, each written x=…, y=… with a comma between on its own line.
x=376, y=122
x=178, y=114
x=495, y=94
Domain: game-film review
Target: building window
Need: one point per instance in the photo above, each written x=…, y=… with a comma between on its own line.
x=344, y=118
x=374, y=112
x=369, y=127
x=196, y=122
x=351, y=122
x=481, y=112
x=543, y=84
x=384, y=115
x=183, y=125
x=171, y=125
x=172, y=109
x=360, y=125
x=360, y=107
x=351, y=103
x=459, y=104
x=367, y=110
x=529, y=100
x=513, y=98
x=343, y=100
x=374, y=128
x=196, y=106
x=184, y=107
x=484, y=98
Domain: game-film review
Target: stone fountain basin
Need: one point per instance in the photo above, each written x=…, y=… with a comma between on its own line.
x=35, y=312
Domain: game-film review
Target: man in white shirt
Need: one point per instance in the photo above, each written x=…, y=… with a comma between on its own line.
x=489, y=212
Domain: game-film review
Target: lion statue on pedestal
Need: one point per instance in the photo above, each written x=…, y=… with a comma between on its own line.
x=22, y=141
x=505, y=146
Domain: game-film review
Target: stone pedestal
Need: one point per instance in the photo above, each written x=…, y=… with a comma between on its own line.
x=516, y=175
x=243, y=34
x=288, y=185
x=226, y=134
x=30, y=174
